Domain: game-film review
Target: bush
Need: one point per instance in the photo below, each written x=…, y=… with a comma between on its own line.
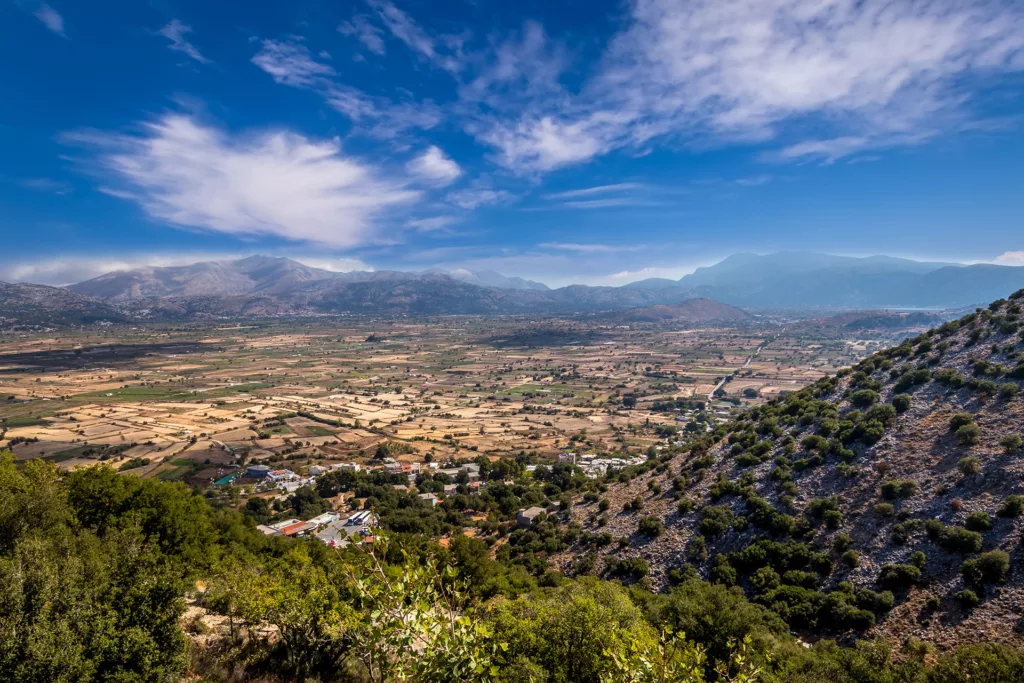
x=715, y=520
x=901, y=402
x=884, y=510
x=954, y=538
x=993, y=566
x=960, y=420
x=899, y=575
x=864, y=398
x=1007, y=390
x=978, y=521
x=1013, y=506
x=969, y=466
x=967, y=598
x=851, y=558
x=918, y=559
x=686, y=505
x=968, y=435
x=1011, y=443
x=651, y=526
x=892, y=490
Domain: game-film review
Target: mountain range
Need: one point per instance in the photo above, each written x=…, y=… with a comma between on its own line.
x=274, y=286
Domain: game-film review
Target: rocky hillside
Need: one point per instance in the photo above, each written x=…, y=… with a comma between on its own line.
x=885, y=500
x=24, y=305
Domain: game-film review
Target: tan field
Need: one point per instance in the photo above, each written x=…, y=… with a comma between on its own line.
x=190, y=402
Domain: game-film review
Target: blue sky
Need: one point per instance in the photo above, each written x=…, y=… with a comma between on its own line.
x=568, y=142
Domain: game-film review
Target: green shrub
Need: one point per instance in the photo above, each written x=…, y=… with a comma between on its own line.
x=715, y=520
x=901, y=402
x=864, y=398
x=884, y=510
x=686, y=505
x=1013, y=506
x=899, y=575
x=967, y=598
x=851, y=558
x=969, y=466
x=893, y=490
x=978, y=521
x=918, y=559
x=960, y=420
x=651, y=526
x=968, y=435
x=953, y=538
x=1011, y=443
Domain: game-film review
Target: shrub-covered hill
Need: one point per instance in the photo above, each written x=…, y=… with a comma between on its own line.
x=887, y=499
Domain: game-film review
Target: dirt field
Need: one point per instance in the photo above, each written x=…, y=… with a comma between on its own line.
x=190, y=401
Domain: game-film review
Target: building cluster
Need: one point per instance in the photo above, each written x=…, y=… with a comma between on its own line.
x=330, y=528
x=595, y=466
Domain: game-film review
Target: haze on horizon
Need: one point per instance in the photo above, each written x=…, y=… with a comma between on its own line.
x=634, y=140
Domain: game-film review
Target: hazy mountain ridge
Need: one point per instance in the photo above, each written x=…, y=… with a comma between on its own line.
x=803, y=279
x=269, y=286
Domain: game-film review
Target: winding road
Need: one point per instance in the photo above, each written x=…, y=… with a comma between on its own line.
x=718, y=386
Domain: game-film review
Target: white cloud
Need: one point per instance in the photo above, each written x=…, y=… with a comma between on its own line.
x=1010, y=258
x=51, y=19
x=402, y=26
x=336, y=265
x=435, y=167
x=590, y=248
x=472, y=198
x=432, y=224
x=597, y=189
x=754, y=181
x=367, y=33
x=869, y=73
x=275, y=183
x=175, y=32
x=290, y=63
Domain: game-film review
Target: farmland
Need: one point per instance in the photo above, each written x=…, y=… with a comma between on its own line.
x=317, y=392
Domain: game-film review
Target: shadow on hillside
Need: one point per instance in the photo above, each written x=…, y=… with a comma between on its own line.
x=107, y=355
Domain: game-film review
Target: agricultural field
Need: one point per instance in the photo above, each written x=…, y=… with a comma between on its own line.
x=188, y=403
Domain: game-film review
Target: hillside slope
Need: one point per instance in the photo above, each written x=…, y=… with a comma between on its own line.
x=33, y=305
x=869, y=501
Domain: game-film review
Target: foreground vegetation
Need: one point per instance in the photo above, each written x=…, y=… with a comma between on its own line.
x=97, y=570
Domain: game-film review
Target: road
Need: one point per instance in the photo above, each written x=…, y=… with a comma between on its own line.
x=718, y=386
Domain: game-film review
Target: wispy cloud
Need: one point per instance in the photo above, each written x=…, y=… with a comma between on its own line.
x=472, y=198
x=290, y=63
x=435, y=167
x=175, y=32
x=51, y=19
x=590, y=248
x=405, y=29
x=597, y=189
x=754, y=181
x=432, y=224
x=367, y=34
x=275, y=183
x=872, y=72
